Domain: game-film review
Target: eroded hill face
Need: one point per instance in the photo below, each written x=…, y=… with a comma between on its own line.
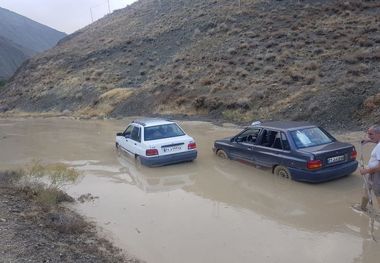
x=300, y=60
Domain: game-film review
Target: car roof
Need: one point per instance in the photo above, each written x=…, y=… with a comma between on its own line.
x=146, y=122
x=284, y=125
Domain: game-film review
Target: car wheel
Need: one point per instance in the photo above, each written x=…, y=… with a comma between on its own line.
x=282, y=172
x=222, y=154
x=117, y=145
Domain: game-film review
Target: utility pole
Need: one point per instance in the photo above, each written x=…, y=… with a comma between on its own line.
x=102, y=5
x=92, y=18
x=109, y=8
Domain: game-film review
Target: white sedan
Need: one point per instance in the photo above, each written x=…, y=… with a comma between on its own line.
x=156, y=142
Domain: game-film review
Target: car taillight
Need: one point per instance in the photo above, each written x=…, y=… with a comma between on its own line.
x=314, y=164
x=151, y=152
x=354, y=154
x=191, y=145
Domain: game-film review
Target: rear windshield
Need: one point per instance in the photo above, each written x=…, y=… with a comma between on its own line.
x=162, y=132
x=310, y=137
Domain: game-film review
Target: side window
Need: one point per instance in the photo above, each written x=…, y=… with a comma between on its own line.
x=136, y=135
x=128, y=131
x=285, y=142
x=277, y=144
x=268, y=138
x=248, y=136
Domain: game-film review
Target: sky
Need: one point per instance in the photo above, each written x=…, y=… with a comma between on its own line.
x=63, y=15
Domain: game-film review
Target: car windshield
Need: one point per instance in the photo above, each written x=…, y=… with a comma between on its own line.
x=162, y=132
x=310, y=137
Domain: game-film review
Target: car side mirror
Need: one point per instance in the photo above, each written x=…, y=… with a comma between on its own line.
x=119, y=134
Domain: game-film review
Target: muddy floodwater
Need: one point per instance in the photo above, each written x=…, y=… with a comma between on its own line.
x=210, y=210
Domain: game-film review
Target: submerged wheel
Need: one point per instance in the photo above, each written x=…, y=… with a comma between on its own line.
x=282, y=172
x=222, y=154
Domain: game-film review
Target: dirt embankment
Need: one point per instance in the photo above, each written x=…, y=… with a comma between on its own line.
x=34, y=233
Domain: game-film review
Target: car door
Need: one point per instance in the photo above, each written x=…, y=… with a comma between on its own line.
x=269, y=148
x=243, y=145
x=134, y=142
x=278, y=152
x=123, y=141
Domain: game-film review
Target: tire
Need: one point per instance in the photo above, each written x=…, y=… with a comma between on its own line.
x=222, y=154
x=282, y=171
x=117, y=145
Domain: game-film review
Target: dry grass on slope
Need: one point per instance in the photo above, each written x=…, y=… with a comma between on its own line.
x=105, y=104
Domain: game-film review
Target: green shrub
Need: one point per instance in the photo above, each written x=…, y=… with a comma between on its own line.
x=44, y=183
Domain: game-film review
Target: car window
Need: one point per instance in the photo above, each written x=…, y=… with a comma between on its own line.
x=248, y=136
x=127, y=132
x=268, y=138
x=309, y=137
x=162, y=132
x=285, y=142
x=135, y=135
x=277, y=144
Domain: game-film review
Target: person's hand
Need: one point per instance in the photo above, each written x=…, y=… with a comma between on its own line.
x=364, y=141
x=364, y=171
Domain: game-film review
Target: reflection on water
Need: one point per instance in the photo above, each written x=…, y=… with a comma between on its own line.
x=157, y=179
x=209, y=210
x=317, y=207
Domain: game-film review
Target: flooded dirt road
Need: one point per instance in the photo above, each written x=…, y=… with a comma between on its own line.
x=210, y=210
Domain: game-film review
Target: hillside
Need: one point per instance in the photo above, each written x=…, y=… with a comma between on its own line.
x=300, y=60
x=20, y=38
x=11, y=56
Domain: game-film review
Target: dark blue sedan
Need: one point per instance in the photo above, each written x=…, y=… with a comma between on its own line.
x=294, y=150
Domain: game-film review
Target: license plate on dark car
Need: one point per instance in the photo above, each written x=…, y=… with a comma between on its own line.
x=335, y=159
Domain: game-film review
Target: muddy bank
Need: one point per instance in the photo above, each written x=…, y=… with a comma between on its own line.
x=32, y=233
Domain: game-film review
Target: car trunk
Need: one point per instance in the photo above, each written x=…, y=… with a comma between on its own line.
x=332, y=154
x=172, y=145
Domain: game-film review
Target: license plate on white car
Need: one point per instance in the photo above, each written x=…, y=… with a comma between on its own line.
x=335, y=159
x=172, y=148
